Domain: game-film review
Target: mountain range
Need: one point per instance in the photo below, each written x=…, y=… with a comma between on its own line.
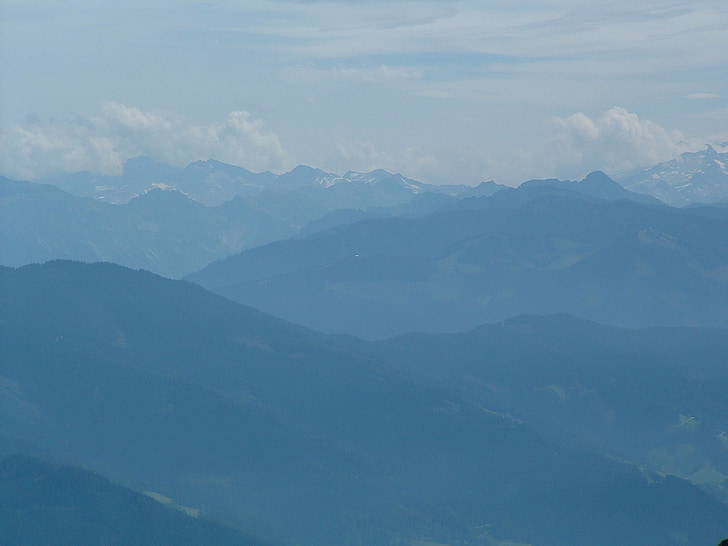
x=567, y=386
x=213, y=183
x=694, y=177
x=176, y=227
x=162, y=231
x=540, y=430
x=168, y=232
x=540, y=248
x=158, y=222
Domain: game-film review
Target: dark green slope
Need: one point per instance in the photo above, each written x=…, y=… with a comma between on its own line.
x=299, y=437
x=538, y=249
x=50, y=505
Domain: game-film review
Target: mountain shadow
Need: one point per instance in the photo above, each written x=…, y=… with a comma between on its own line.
x=46, y=504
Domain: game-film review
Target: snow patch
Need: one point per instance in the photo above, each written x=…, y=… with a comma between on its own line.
x=329, y=180
x=412, y=187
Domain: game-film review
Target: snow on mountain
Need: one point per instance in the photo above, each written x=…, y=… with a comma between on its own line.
x=694, y=177
x=213, y=183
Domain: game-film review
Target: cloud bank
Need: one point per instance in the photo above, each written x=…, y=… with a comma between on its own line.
x=615, y=142
x=312, y=74
x=102, y=143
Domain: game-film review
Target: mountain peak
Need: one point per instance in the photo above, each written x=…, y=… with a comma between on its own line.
x=305, y=170
x=596, y=184
x=710, y=152
x=201, y=164
x=599, y=179
x=694, y=177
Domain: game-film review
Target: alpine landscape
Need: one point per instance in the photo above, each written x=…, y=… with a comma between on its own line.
x=505, y=323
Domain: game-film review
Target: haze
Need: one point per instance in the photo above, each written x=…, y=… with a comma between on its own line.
x=442, y=91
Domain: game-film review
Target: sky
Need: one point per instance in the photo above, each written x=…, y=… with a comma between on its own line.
x=443, y=91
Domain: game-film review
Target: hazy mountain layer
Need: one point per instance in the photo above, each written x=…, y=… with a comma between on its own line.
x=651, y=396
x=209, y=182
x=171, y=233
x=537, y=249
x=310, y=439
x=696, y=177
x=213, y=183
x=168, y=233
x=597, y=185
x=161, y=231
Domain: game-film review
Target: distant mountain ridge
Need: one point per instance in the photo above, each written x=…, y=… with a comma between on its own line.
x=597, y=185
x=694, y=177
x=162, y=231
x=167, y=232
x=212, y=183
x=533, y=249
x=209, y=182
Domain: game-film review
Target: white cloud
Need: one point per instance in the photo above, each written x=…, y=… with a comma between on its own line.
x=616, y=141
x=699, y=96
x=131, y=118
x=367, y=74
x=102, y=143
x=500, y=67
x=644, y=37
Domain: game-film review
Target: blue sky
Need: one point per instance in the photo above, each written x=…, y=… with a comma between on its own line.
x=442, y=91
